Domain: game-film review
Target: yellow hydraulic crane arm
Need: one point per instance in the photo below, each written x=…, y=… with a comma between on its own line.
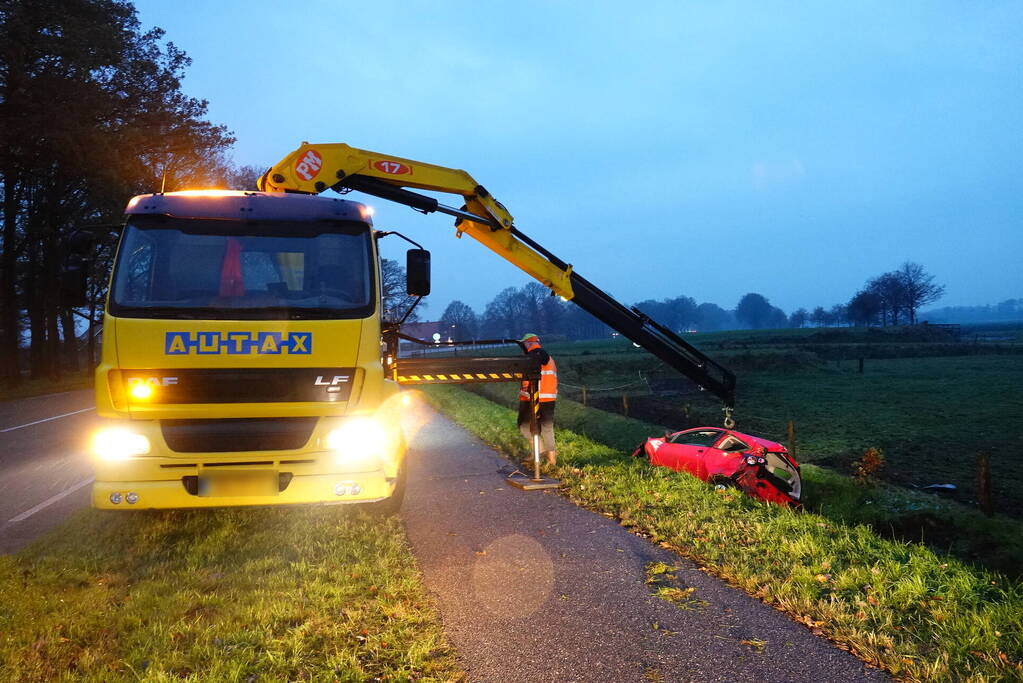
x=315, y=168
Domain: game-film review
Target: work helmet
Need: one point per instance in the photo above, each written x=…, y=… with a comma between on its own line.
x=530, y=337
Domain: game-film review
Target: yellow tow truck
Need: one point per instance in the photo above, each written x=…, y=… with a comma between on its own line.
x=244, y=358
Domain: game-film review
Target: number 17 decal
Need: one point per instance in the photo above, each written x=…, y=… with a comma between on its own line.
x=392, y=167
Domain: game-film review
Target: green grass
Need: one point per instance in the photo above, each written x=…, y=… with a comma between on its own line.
x=311, y=593
x=919, y=614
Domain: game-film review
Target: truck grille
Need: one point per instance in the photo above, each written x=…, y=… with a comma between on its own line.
x=237, y=434
x=244, y=385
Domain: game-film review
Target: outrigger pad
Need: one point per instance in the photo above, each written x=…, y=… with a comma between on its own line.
x=521, y=481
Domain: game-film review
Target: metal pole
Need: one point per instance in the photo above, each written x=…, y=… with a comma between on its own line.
x=523, y=481
x=534, y=425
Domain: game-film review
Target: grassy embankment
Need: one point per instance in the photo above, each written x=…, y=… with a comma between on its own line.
x=312, y=593
x=919, y=614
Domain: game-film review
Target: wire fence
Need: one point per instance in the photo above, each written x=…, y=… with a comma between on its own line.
x=642, y=399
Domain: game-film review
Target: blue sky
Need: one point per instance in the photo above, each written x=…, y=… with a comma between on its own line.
x=663, y=148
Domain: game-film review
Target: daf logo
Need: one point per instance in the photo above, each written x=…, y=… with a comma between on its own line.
x=332, y=385
x=155, y=381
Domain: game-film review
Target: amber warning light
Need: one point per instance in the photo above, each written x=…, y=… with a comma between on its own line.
x=144, y=388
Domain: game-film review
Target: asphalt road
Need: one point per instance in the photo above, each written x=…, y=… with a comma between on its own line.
x=44, y=470
x=529, y=586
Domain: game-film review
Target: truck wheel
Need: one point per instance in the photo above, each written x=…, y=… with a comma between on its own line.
x=392, y=505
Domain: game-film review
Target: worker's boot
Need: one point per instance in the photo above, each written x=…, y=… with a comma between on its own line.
x=552, y=458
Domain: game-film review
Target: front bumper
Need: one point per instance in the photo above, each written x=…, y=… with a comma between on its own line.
x=347, y=487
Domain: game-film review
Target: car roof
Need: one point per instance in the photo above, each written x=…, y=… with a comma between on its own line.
x=760, y=441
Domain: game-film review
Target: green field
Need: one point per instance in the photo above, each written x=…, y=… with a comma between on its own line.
x=311, y=593
x=930, y=414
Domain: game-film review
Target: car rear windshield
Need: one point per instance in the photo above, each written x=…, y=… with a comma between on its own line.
x=202, y=268
x=700, y=437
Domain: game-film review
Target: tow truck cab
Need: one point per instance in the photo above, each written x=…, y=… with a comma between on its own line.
x=241, y=358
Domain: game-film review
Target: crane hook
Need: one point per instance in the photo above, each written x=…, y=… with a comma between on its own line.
x=729, y=421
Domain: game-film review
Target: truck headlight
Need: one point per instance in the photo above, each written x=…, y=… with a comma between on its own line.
x=118, y=443
x=358, y=437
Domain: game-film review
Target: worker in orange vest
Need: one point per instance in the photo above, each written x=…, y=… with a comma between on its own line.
x=548, y=395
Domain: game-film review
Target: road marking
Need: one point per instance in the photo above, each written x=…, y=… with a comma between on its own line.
x=50, y=501
x=46, y=419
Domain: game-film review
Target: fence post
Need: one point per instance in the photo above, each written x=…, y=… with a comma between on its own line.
x=625, y=404
x=984, y=483
x=790, y=435
x=584, y=395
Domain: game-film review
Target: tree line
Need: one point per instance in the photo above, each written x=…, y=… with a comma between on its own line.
x=1010, y=310
x=892, y=298
x=91, y=113
x=531, y=308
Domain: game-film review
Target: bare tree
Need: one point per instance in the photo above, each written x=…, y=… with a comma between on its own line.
x=864, y=308
x=460, y=320
x=799, y=317
x=918, y=288
x=545, y=313
x=393, y=293
x=506, y=314
x=241, y=177
x=890, y=294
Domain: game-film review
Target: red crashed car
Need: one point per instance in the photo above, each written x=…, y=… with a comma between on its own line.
x=724, y=457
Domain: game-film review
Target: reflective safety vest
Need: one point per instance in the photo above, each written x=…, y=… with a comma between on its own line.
x=548, y=382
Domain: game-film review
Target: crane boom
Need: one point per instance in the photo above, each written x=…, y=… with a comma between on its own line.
x=314, y=168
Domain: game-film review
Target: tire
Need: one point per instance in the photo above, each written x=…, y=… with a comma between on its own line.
x=392, y=505
x=720, y=483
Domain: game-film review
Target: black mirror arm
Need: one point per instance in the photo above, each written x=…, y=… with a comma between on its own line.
x=385, y=233
x=408, y=312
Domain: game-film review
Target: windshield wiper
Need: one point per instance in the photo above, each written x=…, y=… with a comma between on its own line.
x=312, y=312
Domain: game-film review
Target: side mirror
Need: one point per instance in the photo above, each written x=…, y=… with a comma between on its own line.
x=417, y=272
x=74, y=280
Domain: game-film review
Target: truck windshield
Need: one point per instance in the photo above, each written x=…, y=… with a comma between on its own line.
x=201, y=268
